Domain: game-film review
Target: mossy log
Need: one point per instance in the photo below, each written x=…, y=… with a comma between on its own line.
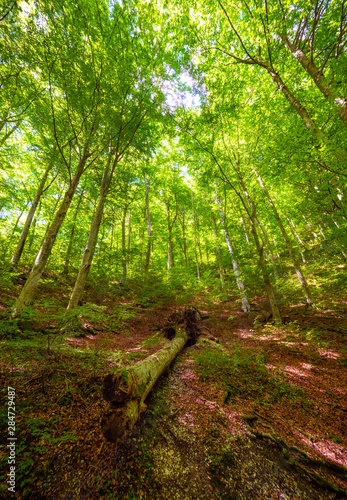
x=127, y=389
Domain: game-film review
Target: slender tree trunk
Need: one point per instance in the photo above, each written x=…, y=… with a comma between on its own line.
x=52, y=212
x=20, y=246
x=295, y=103
x=32, y=235
x=100, y=246
x=288, y=242
x=184, y=240
x=268, y=245
x=27, y=294
x=245, y=230
x=262, y=262
x=195, y=240
x=9, y=133
x=17, y=220
x=112, y=230
x=198, y=240
x=65, y=271
x=318, y=78
x=197, y=263
x=297, y=238
x=129, y=230
x=245, y=304
x=148, y=251
x=170, y=225
x=170, y=256
x=124, y=259
x=88, y=253
x=268, y=286
x=219, y=260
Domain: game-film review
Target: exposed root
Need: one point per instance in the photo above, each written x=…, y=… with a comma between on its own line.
x=189, y=318
x=287, y=451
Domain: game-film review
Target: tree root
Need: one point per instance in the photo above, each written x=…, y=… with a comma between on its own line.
x=287, y=450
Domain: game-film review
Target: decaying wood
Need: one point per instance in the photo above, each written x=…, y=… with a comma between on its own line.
x=127, y=389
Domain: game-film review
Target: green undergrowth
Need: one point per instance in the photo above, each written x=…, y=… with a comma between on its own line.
x=36, y=434
x=24, y=355
x=242, y=373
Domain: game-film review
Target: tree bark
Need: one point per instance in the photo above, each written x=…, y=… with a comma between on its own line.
x=288, y=242
x=148, y=251
x=17, y=220
x=219, y=260
x=88, y=253
x=318, y=78
x=245, y=231
x=245, y=304
x=182, y=220
x=268, y=245
x=268, y=286
x=295, y=103
x=32, y=235
x=124, y=259
x=9, y=133
x=25, y=231
x=252, y=214
x=170, y=225
x=195, y=240
x=127, y=390
x=65, y=271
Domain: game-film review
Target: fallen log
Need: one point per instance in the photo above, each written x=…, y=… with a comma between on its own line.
x=127, y=389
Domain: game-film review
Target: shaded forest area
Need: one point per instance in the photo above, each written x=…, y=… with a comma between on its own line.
x=173, y=249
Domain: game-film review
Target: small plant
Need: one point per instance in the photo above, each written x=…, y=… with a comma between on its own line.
x=243, y=372
x=336, y=439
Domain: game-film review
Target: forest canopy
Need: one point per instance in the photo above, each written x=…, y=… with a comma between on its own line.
x=169, y=139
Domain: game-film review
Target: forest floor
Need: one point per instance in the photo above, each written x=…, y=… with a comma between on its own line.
x=202, y=435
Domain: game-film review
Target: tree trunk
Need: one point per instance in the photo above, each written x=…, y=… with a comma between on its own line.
x=268, y=245
x=148, y=252
x=198, y=240
x=17, y=220
x=268, y=286
x=129, y=230
x=218, y=250
x=19, y=249
x=88, y=253
x=245, y=304
x=318, y=78
x=127, y=389
x=184, y=240
x=170, y=225
x=65, y=271
x=245, y=231
x=170, y=255
x=111, y=241
x=27, y=294
x=9, y=133
x=297, y=238
x=288, y=242
x=195, y=240
x=32, y=234
x=295, y=103
x=124, y=260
